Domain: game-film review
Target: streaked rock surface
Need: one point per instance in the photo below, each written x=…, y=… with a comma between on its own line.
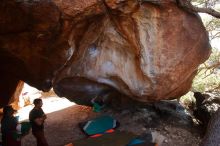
x=148, y=51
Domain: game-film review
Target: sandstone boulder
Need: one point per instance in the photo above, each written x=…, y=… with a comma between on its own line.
x=146, y=51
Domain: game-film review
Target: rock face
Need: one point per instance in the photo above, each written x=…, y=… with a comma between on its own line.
x=146, y=51
x=212, y=136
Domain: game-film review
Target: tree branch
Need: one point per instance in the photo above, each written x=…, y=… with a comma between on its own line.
x=216, y=35
x=216, y=65
x=186, y=4
x=216, y=88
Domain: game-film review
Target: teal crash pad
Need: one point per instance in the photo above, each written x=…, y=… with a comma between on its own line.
x=99, y=125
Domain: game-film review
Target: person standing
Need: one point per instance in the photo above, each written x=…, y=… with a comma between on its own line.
x=8, y=127
x=37, y=118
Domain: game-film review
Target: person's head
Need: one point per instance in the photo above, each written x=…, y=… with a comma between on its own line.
x=8, y=110
x=38, y=102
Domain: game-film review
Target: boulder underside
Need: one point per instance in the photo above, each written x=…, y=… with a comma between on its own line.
x=84, y=49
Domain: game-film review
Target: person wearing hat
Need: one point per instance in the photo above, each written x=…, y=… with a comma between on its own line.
x=8, y=127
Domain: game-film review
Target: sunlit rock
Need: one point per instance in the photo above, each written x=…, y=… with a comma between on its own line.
x=148, y=52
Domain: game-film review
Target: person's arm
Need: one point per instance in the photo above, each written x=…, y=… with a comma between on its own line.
x=39, y=121
x=44, y=117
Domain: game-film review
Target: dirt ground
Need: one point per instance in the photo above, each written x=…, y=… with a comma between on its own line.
x=61, y=126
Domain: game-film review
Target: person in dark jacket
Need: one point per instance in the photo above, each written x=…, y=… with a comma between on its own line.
x=8, y=127
x=37, y=118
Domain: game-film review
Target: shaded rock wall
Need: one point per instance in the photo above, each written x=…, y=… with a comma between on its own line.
x=212, y=136
x=33, y=32
x=147, y=52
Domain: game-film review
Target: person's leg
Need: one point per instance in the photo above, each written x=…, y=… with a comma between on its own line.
x=10, y=141
x=41, y=140
x=3, y=140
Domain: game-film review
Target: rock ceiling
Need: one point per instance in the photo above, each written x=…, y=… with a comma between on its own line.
x=84, y=48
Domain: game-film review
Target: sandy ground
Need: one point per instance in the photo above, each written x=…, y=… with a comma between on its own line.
x=61, y=126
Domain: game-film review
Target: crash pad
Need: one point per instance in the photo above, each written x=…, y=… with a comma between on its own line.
x=117, y=138
x=25, y=127
x=99, y=125
x=135, y=142
x=140, y=142
x=21, y=130
x=97, y=107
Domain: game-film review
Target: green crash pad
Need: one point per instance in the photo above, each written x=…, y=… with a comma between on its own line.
x=112, y=139
x=25, y=127
x=99, y=125
x=22, y=129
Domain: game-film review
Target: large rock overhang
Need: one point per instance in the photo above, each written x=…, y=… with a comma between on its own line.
x=148, y=51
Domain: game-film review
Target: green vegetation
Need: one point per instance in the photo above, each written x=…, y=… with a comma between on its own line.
x=208, y=78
